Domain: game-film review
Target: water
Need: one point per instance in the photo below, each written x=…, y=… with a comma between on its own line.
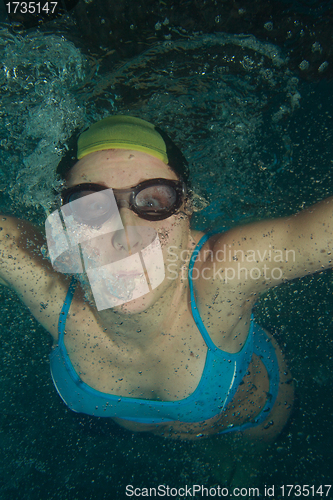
x=259, y=141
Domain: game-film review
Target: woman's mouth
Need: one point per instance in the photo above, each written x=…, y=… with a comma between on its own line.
x=129, y=274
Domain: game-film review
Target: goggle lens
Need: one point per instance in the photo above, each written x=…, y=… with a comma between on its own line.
x=155, y=199
x=89, y=206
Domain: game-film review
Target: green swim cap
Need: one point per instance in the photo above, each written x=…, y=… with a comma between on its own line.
x=128, y=132
x=122, y=132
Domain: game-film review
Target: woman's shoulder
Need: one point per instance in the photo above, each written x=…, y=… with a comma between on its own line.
x=197, y=235
x=211, y=236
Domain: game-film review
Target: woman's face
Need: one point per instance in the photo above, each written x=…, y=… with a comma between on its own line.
x=124, y=266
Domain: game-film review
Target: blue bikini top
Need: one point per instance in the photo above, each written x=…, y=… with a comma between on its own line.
x=221, y=376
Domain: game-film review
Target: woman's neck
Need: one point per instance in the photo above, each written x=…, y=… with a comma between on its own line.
x=142, y=328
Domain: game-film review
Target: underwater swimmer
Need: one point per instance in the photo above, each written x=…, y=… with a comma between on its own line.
x=180, y=357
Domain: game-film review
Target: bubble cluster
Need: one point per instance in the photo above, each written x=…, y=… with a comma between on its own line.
x=40, y=77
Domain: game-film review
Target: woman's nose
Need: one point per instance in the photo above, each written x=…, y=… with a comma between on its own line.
x=129, y=238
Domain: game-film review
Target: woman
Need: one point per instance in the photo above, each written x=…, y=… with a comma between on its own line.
x=157, y=333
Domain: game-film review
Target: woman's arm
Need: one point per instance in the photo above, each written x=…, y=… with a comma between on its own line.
x=25, y=270
x=269, y=252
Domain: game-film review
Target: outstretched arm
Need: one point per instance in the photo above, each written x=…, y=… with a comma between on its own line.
x=23, y=268
x=269, y=252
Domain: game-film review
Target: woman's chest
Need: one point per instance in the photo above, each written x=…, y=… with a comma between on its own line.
x=169, y=369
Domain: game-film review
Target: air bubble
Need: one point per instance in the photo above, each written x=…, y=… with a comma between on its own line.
x=323, y=67
x=316, y=47
x=304, y=65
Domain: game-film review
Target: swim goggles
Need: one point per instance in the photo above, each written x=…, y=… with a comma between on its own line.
x=154, y=199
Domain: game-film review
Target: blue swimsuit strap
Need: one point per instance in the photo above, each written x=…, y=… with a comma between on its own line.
x=64, y=311
x=194, y=308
